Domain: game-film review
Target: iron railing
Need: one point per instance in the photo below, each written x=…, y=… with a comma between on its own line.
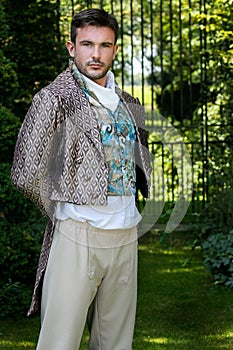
x=165, y=60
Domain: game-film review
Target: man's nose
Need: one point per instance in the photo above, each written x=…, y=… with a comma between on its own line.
x=96, y=52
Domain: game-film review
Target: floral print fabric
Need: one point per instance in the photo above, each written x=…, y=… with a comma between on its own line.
x=118, y=137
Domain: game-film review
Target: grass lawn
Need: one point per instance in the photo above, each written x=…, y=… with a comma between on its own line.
x=178, y=307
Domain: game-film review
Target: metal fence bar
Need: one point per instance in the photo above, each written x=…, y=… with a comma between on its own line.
x=132, y=47
x=168, y=59
x=171, y=59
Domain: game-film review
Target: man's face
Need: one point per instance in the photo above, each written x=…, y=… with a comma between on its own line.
x=93, y=52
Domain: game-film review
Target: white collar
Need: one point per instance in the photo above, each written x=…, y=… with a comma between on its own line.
x=110, y=83
x=107, y=96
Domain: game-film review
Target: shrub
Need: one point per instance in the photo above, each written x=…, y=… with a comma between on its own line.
x=21, y=227
x=9, y=128
x=218, y=257
x=216, y=237
x=19, y=251
x=14, y=299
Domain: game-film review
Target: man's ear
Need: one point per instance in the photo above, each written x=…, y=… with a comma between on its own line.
x=116, y=47
x=70, y=48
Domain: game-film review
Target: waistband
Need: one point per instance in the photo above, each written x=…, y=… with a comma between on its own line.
x=84, y=234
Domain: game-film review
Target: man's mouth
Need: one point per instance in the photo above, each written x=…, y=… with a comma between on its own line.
x=94, y=64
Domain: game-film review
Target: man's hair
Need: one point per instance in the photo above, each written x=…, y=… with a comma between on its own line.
x=93, y=17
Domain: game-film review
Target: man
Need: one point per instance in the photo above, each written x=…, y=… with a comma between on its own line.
x=79, y=154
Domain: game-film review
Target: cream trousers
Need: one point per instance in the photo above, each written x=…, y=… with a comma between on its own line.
x=91, y=276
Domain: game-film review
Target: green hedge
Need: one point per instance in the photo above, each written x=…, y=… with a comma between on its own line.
x=215, y=232
x=21, y=227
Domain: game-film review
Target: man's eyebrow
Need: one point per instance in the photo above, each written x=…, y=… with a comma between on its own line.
x=85, y=41
x=108, y=43
x=91, y=42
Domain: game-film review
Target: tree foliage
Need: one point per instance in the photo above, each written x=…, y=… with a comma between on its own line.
x=30, y=57
x=33, y=45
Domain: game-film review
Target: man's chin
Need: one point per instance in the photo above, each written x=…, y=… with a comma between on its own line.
x=95, y=76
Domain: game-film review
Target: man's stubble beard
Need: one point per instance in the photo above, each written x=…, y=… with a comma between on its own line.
x=92, y=75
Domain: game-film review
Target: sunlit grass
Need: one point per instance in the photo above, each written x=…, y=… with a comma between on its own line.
x=19, y=334
x=178, y=306
x=16, y=344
